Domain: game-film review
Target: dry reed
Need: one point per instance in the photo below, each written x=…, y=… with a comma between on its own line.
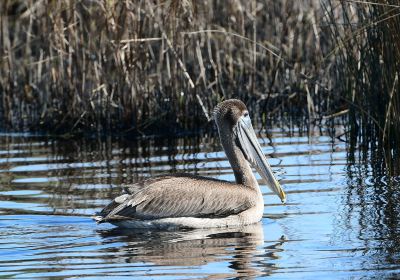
x=155, y=65
x=161, y=66
x=367, y=36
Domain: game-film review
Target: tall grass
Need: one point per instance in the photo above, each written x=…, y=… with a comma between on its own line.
x=155, y=65
x=367, y=36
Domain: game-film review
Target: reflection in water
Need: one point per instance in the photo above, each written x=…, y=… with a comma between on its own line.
x=241, y=247
x=341, y=217
x=372, y=200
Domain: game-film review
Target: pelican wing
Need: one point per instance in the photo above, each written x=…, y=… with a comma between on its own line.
x=180, y=196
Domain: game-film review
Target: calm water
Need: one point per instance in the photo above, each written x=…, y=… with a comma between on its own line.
x=341, y=220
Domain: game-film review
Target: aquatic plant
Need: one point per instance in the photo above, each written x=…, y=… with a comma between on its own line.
x=367, y=36
x=134, y=65
x=161, y=66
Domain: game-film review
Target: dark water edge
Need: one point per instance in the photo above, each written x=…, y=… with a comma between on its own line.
x=341, y=220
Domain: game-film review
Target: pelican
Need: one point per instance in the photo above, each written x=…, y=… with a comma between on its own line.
x=189, y=201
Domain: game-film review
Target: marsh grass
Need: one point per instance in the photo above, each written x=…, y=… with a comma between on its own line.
x=161, y=66
x=367, y=36
x=69, y=66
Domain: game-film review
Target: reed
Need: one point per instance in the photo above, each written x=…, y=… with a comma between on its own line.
x=367, y=36
x=69, y=66
x=161, y=66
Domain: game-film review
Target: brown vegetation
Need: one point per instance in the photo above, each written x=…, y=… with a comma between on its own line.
x=108, y=65
x=367, y=52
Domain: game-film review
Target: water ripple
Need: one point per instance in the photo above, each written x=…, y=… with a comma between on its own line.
x=340, y=218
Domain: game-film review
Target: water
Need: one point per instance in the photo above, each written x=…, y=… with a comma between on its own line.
x=341, y=220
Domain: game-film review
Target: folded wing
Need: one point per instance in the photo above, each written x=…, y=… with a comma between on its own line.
x=179, y=196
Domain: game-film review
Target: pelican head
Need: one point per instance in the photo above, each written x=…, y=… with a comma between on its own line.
x=241, y=144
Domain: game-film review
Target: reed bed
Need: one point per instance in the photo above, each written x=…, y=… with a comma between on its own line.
x=367, y=53
x=154, y=66
x=161, y=66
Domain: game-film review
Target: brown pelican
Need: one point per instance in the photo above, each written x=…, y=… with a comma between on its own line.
x=188, y=201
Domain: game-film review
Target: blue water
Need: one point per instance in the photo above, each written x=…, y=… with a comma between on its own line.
x=341, y=219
